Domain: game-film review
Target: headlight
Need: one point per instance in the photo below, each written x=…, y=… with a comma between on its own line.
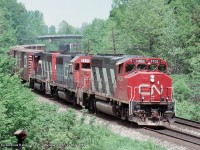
x=167, y=98
x=152, y=78
x=142, y=98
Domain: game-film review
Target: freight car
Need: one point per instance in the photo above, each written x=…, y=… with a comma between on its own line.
x=25, y=62
x=133, y=88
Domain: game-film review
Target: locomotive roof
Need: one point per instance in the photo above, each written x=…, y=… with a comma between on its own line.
x=129, y=57
x=43, y=53
x=110, y=60
x=22, y=49
x=72, y=55
x=33, y=45
x=115, y=58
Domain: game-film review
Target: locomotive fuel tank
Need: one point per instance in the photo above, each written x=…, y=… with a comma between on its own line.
x=62, y=95
x=38, y=86
x=106, y=108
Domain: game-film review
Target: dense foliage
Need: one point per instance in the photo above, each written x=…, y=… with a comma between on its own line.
x=22, y=25
x=186, y=95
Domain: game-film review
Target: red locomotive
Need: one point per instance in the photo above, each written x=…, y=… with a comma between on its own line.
x=129, y=87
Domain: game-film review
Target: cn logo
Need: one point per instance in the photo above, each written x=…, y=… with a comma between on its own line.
x=152, y=88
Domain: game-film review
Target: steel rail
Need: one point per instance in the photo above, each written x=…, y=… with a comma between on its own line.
x=178, y=135
x=187, y=122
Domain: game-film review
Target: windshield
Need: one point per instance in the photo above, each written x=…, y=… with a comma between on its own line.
x=162, y=68
x=141, y=67
x=130, y=68
x=152, y=67
x=86, y=65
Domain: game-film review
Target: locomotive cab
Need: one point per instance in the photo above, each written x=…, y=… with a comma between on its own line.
x=80, y=73
x=81, y=66
x=148, y=90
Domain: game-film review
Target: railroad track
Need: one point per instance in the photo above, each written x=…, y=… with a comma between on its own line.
x=178, y=135
x=187, y=122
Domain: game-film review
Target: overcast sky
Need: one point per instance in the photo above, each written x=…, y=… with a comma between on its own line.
x=75, y=12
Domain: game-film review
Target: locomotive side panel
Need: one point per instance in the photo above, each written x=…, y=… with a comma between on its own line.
x=59, y=70
x=103, y=78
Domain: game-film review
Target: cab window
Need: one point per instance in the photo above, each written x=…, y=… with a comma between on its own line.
x=130, y=67
x=141, y=67
x=152, y=67
x=86, y=65
x=162, y=68
x=120, y=68
x=77, y=67
x=70, y=68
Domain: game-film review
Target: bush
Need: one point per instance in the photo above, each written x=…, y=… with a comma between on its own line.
x=184, y=93
x=65, y=129
x=181, y=89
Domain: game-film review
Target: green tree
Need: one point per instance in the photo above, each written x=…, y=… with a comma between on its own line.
x=19, y=19
x=7, y=37
x=65, y=28
x=36, y=23
x=96, y=33
x=149, y=25
x=17, y=110
x=26, y=24
x=52, y=29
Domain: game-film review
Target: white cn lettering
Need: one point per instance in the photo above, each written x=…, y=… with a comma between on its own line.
x=153, y=88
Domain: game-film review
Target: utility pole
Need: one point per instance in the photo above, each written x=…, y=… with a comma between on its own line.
x=113, y=36
x=88, y=45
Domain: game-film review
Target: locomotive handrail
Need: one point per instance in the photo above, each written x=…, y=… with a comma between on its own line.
x=131, y=92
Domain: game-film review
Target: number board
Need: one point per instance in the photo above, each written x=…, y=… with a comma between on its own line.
x=154, y=61
x=139, y=60
x=85, y=60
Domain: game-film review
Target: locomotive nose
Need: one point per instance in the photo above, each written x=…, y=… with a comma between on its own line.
x=152, y=87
